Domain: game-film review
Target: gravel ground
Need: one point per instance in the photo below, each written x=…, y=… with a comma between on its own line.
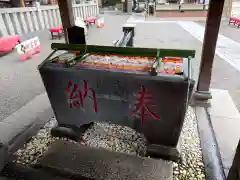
x=100, y=135
x=192, y=167
x=124, y=139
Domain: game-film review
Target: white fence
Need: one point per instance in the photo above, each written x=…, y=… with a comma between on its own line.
x=25, y=20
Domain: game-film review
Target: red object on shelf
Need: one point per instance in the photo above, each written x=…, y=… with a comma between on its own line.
x=56, y=29
x=90, y=20
x=235, y=20
x=76, y=52
x=7, y=43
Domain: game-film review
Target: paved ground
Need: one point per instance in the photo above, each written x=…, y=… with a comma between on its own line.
x=20, y=81
x=186, y=13
x=229, y=31
x=226, y=76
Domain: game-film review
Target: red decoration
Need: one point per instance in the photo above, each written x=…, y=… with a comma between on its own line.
x=141, y=106
x=77, y=95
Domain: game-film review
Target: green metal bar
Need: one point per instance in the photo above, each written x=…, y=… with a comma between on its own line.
x=124, y=50
x=50, y=55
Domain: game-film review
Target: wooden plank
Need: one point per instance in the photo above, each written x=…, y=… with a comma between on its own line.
x=81, y=12
x=97, y=7
x=93, y=11
x=59, y=18
x=29, y=21
x=84, y=12
x=9, y=24
x=35, y=21
x=90, y=10
x=23, y=22
x=3, y=29
x=97, y=10
x=17, y=24
x=55, y=22
x=78, y=12
x=45, y=17
x=87, y=11
x=49, y=12
x=41, y=20
x=74, y=13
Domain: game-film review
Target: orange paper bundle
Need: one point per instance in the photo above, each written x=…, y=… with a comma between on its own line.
x=172, y=59
x=100, y=23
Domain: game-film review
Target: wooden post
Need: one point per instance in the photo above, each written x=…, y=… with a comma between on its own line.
x=234, y=172
x=66, y=12
x=227, y=9
x=22, y=4
x=209, y=46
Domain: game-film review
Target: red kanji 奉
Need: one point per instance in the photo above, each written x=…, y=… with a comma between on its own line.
x=142, y=105
x=77, y=95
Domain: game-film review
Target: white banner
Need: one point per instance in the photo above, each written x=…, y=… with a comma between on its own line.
x=28, y=45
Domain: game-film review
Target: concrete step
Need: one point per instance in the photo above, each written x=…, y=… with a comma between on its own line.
x=19, y=127
x=14, y=171
x=75, y=160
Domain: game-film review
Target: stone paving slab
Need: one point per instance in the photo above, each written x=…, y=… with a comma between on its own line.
x=228, y=110
x=225, y=120
x=225, y=75
x=209, y=146
x=226, y=48
x=229, y=31
x=100, y=164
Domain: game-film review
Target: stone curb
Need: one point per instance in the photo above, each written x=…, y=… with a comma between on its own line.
x=211, y=155
x=19, y=127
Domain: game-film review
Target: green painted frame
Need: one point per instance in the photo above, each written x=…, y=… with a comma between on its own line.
x=124, y=50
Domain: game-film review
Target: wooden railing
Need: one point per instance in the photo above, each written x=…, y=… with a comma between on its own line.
x=25, y=20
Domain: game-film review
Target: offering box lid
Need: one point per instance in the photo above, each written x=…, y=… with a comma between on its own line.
x=125, y=50
x=83, y=50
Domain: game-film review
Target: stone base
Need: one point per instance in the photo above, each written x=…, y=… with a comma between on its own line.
x=201, y=99
x=73, y=159
x=159, y=151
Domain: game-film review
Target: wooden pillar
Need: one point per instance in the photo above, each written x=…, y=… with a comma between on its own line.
x=209, y=46
x=227, y=9
x=234, y=172
x=66, y=12
x=22, y=4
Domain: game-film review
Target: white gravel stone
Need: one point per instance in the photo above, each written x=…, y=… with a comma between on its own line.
x=101, y=135
x=124, y=139
x=115, y=138
x=192, y=166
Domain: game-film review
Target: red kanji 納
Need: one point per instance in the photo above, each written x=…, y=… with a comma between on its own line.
x=77, y=95
x=142, y=105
